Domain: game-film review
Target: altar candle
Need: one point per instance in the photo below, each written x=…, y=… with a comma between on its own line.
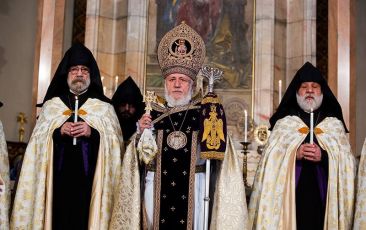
x=76, y=115
x=245, y=126
x=104, y=89
x=311, y=126
x=279, y=91
x=115, y=83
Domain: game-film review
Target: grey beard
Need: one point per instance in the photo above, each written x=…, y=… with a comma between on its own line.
x=307, y=106
x=79, y=86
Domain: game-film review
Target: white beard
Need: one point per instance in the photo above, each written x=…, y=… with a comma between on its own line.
x=307, y=105
x=183, y=101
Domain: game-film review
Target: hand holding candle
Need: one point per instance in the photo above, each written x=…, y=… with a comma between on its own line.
x=311, y=126
x=245, y=126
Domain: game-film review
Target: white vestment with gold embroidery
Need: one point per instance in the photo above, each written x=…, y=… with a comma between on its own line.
x=4, y=178
x=33, y=201
x=272, y=204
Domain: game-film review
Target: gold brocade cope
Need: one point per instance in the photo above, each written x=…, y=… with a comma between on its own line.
x=272, y=204
x=213, y=128
x=127, y=205
x=4, y=177
x=360, y=209
x=33, y=201
x=229, y=205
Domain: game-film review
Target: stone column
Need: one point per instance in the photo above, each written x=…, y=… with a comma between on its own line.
x=339, y=53
x=264, y=60
x=136, y=41
x=48, y=48
x=116, y=34
x=105, y=36
x=301, y=35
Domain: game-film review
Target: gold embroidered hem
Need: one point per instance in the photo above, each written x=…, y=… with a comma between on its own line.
x=213, y=155
x=199, y=168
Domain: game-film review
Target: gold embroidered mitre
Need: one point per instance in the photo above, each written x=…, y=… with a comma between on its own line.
x=181, y=50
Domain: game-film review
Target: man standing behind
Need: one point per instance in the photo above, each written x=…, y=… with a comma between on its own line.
x=300, y=185
x=71, y=167
x=4, y=180
x=127, y=101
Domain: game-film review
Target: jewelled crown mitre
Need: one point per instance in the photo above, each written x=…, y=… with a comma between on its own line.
x=181, y=50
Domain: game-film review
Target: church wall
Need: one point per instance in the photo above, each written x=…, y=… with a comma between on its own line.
x=360, y=74
x=18, y=20
x=280, y=50
x=115, y=32
x=106, y=20
x=69, y=17
x=301, y=35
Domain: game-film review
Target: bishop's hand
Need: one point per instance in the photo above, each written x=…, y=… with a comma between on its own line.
x=77, y=129
x=144, y=122
x=309, y=152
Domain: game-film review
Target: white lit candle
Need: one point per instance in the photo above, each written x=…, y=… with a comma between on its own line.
x=76, y=115
x=115, y=83
x=311, y=126
x=245, y=126
x=104, y=89
x=279, y=91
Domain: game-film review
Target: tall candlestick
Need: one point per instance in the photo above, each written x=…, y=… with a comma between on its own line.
x=245, y=126
x=76, y=115
x=311, y=126
x=279, y=91
x=115, y=83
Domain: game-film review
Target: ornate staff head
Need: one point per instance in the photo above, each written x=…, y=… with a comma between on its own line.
x=212, y=74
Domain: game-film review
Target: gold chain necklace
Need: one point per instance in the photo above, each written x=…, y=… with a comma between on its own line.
x=177, y=139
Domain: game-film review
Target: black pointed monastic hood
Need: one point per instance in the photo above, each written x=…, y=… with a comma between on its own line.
x=308, y=73
x=1, y=104
x=78, y=54
x=128, y=93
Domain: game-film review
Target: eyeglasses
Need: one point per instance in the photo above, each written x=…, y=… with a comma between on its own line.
x=75, y=69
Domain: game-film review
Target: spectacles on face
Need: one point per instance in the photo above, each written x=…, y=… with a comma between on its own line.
x=75, y=69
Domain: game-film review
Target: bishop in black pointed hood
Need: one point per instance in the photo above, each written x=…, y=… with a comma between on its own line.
x=128, y=93
x=330, y=106
x=78, y=54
